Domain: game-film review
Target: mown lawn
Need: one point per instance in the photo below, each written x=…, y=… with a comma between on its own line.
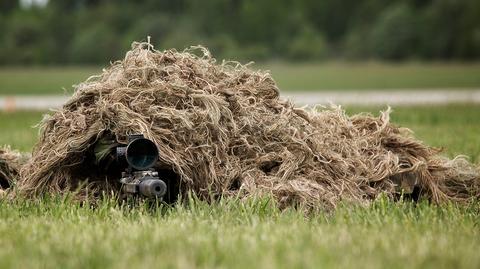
x=368, y=76
x=18, y=129
x=289, y=76
x=56, y=233
x=42, y=80
x=234, y=234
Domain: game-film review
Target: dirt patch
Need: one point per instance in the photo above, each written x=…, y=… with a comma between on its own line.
x=222, y=129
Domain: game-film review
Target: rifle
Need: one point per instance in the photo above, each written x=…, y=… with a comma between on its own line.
x=138, y=157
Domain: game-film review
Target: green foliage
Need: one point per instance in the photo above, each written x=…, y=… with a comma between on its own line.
x=393, y=35
x=23, y=40
x=156, y=25
x=357, y=43
x=458, y=39
x=96, y=31
x=307, y=45
x=98, y=43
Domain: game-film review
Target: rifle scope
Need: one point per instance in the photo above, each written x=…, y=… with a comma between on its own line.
x=140, y=153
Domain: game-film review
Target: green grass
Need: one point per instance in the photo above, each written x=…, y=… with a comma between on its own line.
x=289, y=76
x=367, y=76
x=43, y=80
x=237, y=234
x=18, y=129
x=53, y=233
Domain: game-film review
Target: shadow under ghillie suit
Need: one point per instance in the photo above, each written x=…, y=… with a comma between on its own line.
x=10, y=163
x=222, y=129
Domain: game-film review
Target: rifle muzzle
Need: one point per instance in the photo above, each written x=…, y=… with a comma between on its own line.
x=152, y=188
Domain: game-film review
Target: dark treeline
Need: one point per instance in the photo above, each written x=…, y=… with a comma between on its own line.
x=95, y=31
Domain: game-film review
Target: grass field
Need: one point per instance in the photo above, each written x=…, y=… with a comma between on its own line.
x=232, y=234
x=290, y=77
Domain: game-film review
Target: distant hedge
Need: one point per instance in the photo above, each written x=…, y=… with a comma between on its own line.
x=96, y=31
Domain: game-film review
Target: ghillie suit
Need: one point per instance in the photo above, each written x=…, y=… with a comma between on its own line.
x=10, y=163
x=222, y=129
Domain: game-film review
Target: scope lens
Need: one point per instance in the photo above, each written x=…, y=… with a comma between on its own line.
x=141, y=153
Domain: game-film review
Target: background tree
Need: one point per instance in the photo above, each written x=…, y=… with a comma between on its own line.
x=96, y=31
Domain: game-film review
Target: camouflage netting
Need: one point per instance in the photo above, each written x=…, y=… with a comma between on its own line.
x=222, y=129
x=10, y=163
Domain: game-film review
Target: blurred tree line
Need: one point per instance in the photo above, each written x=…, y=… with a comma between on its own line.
x=96, y=31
